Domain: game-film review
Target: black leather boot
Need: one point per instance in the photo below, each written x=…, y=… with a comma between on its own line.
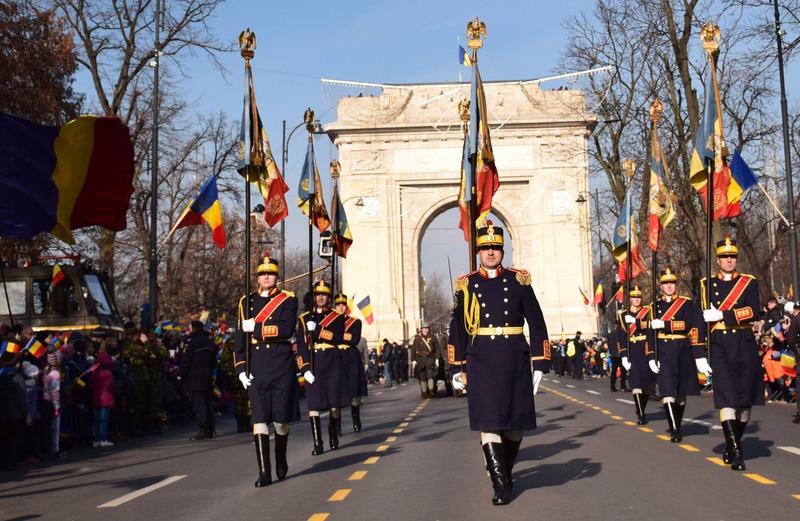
x=339, y=424
x=262, y=457
x=510, y=451
x=332, y=433
x=495, y=458
x=355, y=411
x=281, y=466
x=316, y=434
x=671, y=410
x=641, y=419
x=735, y=455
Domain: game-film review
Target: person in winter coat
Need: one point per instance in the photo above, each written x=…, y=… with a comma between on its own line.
x=101, y=383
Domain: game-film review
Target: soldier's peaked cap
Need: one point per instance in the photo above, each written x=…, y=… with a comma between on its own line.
x=489, y=235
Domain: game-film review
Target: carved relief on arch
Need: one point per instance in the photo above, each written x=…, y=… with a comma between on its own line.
x=367, y=160
x=561, y=151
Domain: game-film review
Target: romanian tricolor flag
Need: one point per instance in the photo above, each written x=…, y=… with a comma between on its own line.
x=58, y=276
x=365, y=306
x=204, y=208
x=58, y=179
x=256, y=161
x=619, y=296
x=598, y=294
x=311, y=186
x=624, y=232
x=9, y=347
x=342, y=237
x=480, y=150
x=661, y=211
x=35, y=348
x=789, y=364
x=586, y=300
x=464, y=58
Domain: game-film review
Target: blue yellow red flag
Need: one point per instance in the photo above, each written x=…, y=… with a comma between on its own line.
x=481, y=154
x=311, y=186
x=204, y=208
x=464, y=58
x=365, y=306
x=342, y=237
x=660, y=209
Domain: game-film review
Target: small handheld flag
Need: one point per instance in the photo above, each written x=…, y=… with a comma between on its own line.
x=586, y=300
x=204, y=208
x=58, y=276
x=35, y=348
x=365, y=306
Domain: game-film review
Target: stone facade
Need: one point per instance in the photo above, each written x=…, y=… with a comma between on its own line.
x=400, y=154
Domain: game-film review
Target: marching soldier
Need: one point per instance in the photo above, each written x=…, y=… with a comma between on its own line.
x=355, y=377
x=615, y=362
x=487, y=344
x=634, y=349
x=272, y=318
x=425, y=361
x=730, y=305
x=677, y=323
x=321, y=332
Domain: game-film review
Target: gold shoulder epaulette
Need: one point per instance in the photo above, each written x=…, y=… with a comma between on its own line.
x=523, y=277
x=748, y=276
x=685, y=297
x=290, y=293
x=460, y=283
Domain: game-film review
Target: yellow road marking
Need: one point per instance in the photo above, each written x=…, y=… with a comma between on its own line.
x=596, y=408
x=663, y=437
x=412, y=414
x=397, y=431
x=717, y=461
x=616, y=417
x=690, y=448
x=357, y=475
x=404, y=424
x=796, y=496
x=758, y=478
x=391, y=439
x=606, y=411
x=382, y=448
x=629, y=423
x=408, y=418
x=340, y=494
x=319, y=516
x=371, y=460
x=645, y=429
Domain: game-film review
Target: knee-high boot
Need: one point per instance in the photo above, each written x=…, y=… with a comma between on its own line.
x=671, y=410
x=281, y=465
x=332, y=433
x=638, y=401
x=495, y=459
x=733, y=445
x=262, y=456
x=511, y=449
x=355, y=411
x=316, y=433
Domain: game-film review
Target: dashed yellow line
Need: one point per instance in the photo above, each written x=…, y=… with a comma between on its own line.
x=616, y=417
x=689, y=448
x=630, y=423
x=391, y=439
x=382, y=448
x=717, y=461
x=663, y=437
x=371, y=460
x=397, y=431
x=319, y=516
x=796, y=496
x=606, y=411
x=758, y=478
x=404, y=424
x=645, y=429
x=340, y=494
x=357, y=475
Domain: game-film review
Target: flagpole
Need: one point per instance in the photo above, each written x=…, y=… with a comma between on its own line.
x=248, y=53
x=475, y=29
x=5, y=290
x=153, y=267
x=710, y=37
x=308, y=117
x=335, y=218
x=283, y=221
x=629, y=168
x=655, y=115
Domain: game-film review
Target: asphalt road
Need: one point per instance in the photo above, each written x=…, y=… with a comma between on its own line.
x=418, y=460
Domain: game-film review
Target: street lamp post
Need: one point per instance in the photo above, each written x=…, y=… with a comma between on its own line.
x=596, y=199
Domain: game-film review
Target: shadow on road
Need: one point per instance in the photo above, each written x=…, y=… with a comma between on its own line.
x=555, y=474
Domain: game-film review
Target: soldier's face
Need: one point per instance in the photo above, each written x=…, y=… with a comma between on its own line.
x=341, y=308
x=267, y=281
x=669, y=288
x=321, y=300
x=727, y=263
x=490, y=256
x=636, y=301
x=424, y=331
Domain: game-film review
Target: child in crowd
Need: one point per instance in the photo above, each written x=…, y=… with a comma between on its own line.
x=101, y=385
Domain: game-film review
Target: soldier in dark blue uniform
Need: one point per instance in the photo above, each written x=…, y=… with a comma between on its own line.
x=674, y=335
x=730, y=305
x=320, y=333
x=271, y=319
x=634, y=349
x=355, y=376
x=489, y=353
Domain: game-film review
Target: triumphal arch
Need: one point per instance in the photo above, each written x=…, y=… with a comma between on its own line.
x=400, y=153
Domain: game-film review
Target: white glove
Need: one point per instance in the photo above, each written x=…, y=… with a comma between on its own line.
x=249, y=325
x=626, y=363
x=436, y=363
x=458, y=385
x=654, y=366
x=702, y=365
x=245, y=379
x=712, y=315
x=537, y=379
x=656, y=323
x=308, y=377
x=630, y=319
x=311, y=325
x=413, y=363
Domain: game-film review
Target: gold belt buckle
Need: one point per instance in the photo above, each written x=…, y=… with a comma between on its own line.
x=498, y=330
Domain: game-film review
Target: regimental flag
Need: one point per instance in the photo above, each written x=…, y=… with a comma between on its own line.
x=624, y=231
x=255, y=160
x=480, y=148
x=637, y=266
x=310, y=184
x=661, y=211
x=704, y=140
x=58, y=276
x=204, y=208
x=598, y=295
x=619, y=296
x=365, y=306
x=742, y=179
x=35, y=347
x=9, y=347
x=586, y=300
x=789, y=364
x=59, y=179
x=463, y=57
x=342, y=238
x=464, y=191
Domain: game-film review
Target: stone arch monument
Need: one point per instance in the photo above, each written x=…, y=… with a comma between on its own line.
x=400, y=154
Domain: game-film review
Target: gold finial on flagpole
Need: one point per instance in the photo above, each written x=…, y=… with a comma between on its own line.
x=711, y=37
x=336, y=169
x=247, y=45
x=656, y=108
x=629, y=167
x=476, y=33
